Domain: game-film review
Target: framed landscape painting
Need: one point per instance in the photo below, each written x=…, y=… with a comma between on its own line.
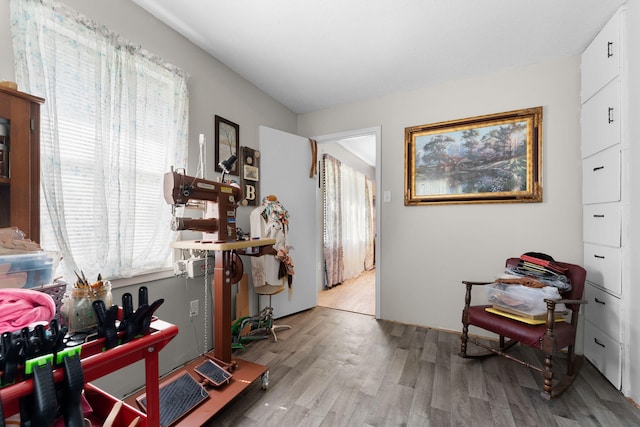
x=496, y=158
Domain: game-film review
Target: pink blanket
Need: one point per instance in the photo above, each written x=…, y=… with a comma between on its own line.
x=22, y=307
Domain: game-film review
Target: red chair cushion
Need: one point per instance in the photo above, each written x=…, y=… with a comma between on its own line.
x=527, y=334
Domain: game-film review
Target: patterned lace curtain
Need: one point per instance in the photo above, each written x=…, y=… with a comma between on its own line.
x=332, y=224
x=370, y=225
x=115, y=119
x=348, y=221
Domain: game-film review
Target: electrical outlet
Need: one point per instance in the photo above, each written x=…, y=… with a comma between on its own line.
x=194, y=308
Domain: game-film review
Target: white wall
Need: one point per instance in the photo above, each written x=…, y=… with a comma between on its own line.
x=426, y=251
x=213, y=89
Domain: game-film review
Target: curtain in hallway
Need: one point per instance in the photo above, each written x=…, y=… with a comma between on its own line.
x=348, y=221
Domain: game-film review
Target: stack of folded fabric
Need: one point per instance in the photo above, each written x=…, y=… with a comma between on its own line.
x=543, y=268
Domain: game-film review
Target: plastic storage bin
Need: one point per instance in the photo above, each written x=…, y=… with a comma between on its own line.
x=28, y=270
x=523, y=300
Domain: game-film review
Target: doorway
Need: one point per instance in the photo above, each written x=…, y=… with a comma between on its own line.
x=359, y=150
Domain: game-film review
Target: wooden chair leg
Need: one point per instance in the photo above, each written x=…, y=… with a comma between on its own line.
x=464, y=338
x=547, y=373
x=571, y=361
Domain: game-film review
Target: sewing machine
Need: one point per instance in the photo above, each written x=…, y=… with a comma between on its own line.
x=221, y=199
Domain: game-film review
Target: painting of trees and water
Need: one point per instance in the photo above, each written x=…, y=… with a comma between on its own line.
x=490, y=158
x=478, y=160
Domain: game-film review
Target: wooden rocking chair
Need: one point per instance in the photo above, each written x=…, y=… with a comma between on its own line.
x=550, y=337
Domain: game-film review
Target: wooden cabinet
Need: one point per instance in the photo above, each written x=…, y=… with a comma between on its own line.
x=605, y=194
x=20, y=192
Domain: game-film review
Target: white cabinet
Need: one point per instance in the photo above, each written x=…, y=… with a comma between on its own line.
x=603, y=265
x=601, y=176
x=604, y=197
x=602, y=59
x=601, y=120
x=604, y=352
x=601, y=224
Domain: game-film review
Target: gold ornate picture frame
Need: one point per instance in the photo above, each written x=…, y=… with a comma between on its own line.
x=495, y=158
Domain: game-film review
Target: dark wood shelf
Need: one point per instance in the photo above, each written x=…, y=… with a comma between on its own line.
x=20, y=194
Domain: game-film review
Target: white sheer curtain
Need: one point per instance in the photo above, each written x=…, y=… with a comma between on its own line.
x=353, y=221
x=115, y=119
x=348, y=224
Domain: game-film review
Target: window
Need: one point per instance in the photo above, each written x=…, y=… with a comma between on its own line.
x=115, y=119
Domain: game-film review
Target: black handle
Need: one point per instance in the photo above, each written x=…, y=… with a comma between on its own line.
x=597, y=168
x=127, y=310
x=599, y=301
x=45, y=402
x=127, y=305
x=610, y=115
x=110, y=331
x=1, y=415
x=100, y=310
x=599, y=343
x=72, y=396
x=609, y=49
x=598, y=215
x=598, y=256
x=146, y=321
x=143, y=296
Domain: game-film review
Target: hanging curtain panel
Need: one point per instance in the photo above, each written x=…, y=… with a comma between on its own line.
x=332, y=209
x=349, y=230
x=115, y=119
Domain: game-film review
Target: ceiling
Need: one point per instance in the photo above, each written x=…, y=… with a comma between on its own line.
x=314, y=54
x=362, y=146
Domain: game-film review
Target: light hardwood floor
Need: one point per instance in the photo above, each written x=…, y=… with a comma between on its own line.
x=356, y=294
x=338, y=368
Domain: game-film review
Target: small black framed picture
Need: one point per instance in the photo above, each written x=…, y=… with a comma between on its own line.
x=227, y=142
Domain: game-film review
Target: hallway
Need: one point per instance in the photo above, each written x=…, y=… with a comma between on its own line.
x=356, y=294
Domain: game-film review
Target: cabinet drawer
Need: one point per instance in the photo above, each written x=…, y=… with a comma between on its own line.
x=602, y=224
x=603, y=266
x=603, y=310
x=603, y=352
x=600, y=120
x=601, y=176
x=601, y=59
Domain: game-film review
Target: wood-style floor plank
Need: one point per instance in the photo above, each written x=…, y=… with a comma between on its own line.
x=338, y=368
x=356, y=294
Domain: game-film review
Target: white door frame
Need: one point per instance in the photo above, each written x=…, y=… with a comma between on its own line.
x=350, y=134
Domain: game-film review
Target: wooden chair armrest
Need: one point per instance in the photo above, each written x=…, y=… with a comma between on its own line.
x=551, y=309
x=572, y=301
x=467, y=297
x=476, y=283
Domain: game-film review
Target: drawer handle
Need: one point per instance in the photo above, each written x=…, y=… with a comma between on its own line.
x=598, y=215
x=610, y=115
x=609, y=50
x=600, y=301
x=598, y=256
x=597, y=168
x=599, y=343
